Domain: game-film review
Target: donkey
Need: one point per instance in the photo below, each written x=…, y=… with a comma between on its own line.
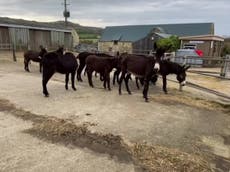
x=58, y=62
x=141, y=66
x=168, y=67
x=82, y=59
x=34, y=56
x=102, y=65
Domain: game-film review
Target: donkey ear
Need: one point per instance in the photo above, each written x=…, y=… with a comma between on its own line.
x=186, y=67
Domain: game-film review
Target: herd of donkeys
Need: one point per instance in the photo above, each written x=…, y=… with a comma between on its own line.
x=146, y=68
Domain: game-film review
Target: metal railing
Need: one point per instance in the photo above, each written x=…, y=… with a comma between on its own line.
x=207, y=62
x=8, y=47
x=5, y=46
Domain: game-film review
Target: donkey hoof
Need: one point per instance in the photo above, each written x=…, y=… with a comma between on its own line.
x=146, y=100
x=46, y=95
x=129, y=93
x=166, y=92
x=74, y=89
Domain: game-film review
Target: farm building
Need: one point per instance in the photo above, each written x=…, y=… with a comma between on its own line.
x=211, y=45
x=141, y=38
x=30, y=37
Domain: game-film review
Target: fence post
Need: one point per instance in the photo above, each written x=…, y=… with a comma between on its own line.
x=13, y=49
x=222, y=72
x=185, y=60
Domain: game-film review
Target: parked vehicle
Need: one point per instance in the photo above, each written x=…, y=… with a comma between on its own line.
x=189, y=52
x=189, y=56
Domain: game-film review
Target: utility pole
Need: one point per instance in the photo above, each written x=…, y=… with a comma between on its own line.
x=66, y=13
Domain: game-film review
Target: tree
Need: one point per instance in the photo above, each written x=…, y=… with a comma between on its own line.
x=171, y=44
x=225, y=51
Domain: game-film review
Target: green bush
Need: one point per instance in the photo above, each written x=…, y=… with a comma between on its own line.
x=225, y=51
x=171, y=44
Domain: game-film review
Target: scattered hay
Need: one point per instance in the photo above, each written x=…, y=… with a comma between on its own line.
x=67, y=132
x=148, y=157
x=188, y=100
x=6, y=105
x=158, y=159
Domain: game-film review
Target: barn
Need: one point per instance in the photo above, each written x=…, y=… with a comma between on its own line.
x=141, y=38
x=30, y=37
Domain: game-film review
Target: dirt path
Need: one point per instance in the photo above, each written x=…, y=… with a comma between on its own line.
x=185, y=121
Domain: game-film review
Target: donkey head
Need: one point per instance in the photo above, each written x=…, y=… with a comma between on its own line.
x=60, y=50
x=42, y=52
x=181, y=76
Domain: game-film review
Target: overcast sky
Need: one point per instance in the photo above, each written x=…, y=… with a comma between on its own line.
x=101, y=13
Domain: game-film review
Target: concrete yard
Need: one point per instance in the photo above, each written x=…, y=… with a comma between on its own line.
x=191, y=121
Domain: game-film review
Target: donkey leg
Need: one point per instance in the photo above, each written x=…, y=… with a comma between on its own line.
x=79, y=70
x=120, y=82
x=118, y=73
x=108, y=80
x=40, y=67
x=26, y=63
x=45, y=78
x=137, y=84
x=114, y=77
x=73, y=80
x=164, y=84
x=127, y=83
x=146, y=88
x=66, y=80
x=104, y=81
x=89, y=74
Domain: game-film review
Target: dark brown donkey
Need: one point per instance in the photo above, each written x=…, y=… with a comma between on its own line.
x=61, y=63
x=168, y=67
x=34, y=56
x=141, y=66
x=82, y=60
x=102, y=65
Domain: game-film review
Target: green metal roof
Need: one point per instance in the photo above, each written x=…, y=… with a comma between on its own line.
x=134, y=33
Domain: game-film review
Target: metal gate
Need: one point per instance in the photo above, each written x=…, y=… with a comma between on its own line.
x=225, y=70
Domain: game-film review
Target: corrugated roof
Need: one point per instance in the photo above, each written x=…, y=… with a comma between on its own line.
x=136, y=32
x=35, y=28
